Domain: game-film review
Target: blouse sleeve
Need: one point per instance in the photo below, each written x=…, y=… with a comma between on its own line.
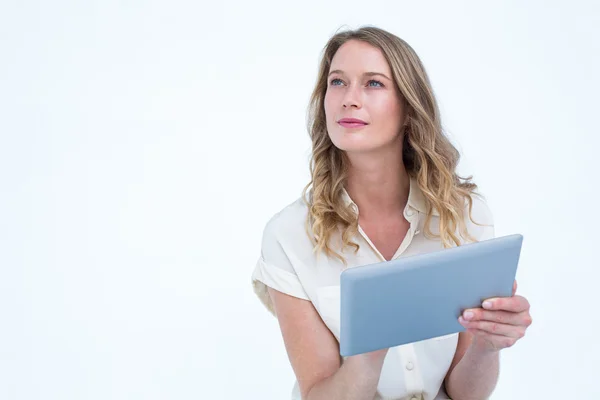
x=274, y=269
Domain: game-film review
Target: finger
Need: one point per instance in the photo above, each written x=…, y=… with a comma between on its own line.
x=502, y=317
x=513, y=304
x=512, y=331
x=514, y=287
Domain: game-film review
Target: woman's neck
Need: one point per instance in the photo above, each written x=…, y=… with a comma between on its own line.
x=378, y=185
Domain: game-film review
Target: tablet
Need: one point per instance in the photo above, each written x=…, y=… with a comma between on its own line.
x=420, y=297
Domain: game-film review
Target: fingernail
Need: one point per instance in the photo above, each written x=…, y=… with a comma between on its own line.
x=487, y=304
x=469, y=315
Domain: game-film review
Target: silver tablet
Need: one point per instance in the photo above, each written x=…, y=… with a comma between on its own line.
x=421, y=297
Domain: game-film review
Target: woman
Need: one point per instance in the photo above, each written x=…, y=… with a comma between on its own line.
x=383, y=186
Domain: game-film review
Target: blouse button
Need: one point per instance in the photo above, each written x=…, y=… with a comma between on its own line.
x=410, y=366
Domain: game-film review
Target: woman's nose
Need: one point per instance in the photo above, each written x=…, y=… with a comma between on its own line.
x=352, y=98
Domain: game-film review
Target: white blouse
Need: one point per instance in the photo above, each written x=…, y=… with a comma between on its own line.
x=287, y=263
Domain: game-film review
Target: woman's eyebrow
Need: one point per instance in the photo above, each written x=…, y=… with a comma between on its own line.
x=339, y=71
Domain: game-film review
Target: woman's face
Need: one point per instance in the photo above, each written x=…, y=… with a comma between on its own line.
x=360, y=87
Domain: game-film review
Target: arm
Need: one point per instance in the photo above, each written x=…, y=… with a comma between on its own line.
x=473, y=373
x=314, y=355
x=501, y=322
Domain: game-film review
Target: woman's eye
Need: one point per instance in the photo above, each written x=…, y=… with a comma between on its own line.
x=377, y=83
x=371, y=83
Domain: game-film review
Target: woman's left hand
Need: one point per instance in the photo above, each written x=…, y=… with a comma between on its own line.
x=499, y=324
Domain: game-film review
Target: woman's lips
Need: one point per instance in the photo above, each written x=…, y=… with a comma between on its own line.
x=352, y=124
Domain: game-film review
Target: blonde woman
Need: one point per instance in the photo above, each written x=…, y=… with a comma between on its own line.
x=383, y=186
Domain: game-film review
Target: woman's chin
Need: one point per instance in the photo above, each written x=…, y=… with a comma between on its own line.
x=357, y=146
x=359, y=143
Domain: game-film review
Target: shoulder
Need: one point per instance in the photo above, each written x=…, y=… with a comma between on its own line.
x=479, y=219
x=481, y=211
x=288, y=223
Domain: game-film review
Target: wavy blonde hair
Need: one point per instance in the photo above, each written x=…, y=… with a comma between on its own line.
x=428, y=155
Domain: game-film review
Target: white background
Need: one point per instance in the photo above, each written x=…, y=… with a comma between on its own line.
x=144, y=145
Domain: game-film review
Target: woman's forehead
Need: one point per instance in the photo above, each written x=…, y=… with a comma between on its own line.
x=356, y=58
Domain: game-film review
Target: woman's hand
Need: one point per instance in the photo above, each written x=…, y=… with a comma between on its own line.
x=499, y=324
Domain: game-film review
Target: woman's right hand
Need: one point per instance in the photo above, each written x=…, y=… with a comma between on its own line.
x=315, y=354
